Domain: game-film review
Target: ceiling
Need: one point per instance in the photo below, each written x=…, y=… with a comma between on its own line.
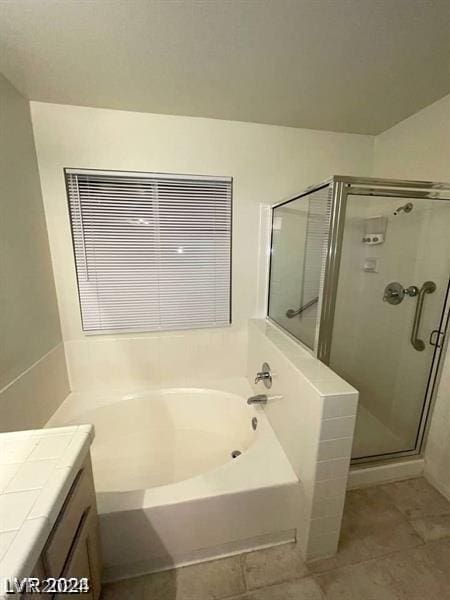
x=358, y=66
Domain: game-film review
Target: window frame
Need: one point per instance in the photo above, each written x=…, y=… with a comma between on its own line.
x=67, y=171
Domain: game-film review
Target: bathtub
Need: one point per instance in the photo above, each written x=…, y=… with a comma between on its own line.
x=184, y=475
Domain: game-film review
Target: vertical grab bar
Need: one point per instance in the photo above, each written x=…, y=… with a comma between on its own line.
x=428, y=288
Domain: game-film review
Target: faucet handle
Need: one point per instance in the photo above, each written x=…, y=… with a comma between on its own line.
x=264, y=375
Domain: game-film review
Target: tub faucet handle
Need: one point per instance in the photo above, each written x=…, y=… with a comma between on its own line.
x=264, y=375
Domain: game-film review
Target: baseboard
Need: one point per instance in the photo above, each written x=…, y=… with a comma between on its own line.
x=443, y=489
x=366, y=476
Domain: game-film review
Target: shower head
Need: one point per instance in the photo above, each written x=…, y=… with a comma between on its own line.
x=407, y=208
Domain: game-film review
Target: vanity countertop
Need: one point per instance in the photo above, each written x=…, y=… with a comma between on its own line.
x=37, y=469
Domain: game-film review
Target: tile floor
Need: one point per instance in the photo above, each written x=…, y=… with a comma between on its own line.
x=395, y=545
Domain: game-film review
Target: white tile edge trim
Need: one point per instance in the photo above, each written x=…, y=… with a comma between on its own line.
x=366, y=476
x=31, y=367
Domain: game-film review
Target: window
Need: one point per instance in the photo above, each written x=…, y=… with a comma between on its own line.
x=152, y=251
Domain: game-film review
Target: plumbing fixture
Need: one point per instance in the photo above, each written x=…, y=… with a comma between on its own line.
x=262, y=399
x=407, y=208
x=394, y=292
x=428, y=288
x=264, y=375
x=291, y=312
x=258, y=399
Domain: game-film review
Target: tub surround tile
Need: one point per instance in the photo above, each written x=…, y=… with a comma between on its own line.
x=323, y=545
x=325, y=381
x=156, y=359
x=28, y=502
x=339, y=427
x=325, y=525
x=314, y=422
x=337, y=448
x=29, y=400
x=340, y=406
x=330, y=488
x=328, y=507
x=330, y=469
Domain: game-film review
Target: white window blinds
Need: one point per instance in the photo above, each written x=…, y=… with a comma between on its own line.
x=152, y=251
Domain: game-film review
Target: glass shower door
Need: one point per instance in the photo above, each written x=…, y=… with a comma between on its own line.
x=300, y=230
x=390, y=304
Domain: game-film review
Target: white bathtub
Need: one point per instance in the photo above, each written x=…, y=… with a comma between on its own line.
x=169, y=491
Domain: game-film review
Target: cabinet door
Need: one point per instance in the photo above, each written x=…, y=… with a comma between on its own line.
x=39, y=573
x=83, y=560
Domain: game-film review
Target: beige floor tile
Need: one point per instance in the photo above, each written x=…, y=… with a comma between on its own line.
x=273, y=565
x=432, y=528
x=381, y=556
x=416, y=498
x=421, y=573
x=135, y=588
x=205, y=581
x=364, y=542
x=370, y=506
x=215, y=579
x=301, y=589
x=364, y=581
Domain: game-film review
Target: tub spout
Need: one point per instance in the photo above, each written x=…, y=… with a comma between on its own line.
x=262, y=399
x=258, y=399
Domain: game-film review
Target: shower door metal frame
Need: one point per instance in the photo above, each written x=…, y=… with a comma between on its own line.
x=344, y=186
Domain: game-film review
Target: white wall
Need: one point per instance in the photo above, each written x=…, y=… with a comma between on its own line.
x=33, y=377
x=419, y=148
x=267, y=163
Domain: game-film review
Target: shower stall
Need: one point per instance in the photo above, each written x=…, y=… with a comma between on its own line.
x=359, y=274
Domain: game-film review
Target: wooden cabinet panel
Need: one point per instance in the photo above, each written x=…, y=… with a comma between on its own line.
x=73, y=546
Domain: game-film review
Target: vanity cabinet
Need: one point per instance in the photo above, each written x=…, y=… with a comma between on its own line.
x=73, y=546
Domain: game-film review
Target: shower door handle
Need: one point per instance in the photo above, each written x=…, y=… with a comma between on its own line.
x=428, y=288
